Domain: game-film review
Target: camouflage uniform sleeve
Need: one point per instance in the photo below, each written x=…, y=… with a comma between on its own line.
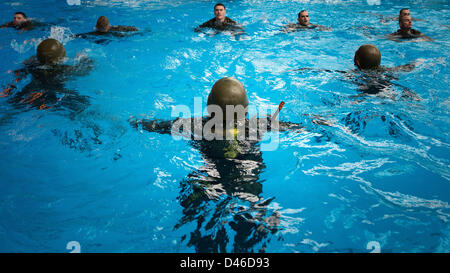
x=282, y=126
x=179, y=126
x=416, y=32
x=395, y=33
x=156, y=125
x=230, y=21
x=9, y=24
x=209, y=23
x=28, y=25
x=123, y=28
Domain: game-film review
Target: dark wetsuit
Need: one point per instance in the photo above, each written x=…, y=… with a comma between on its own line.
x=373, y=81
x=27, y=25
x=114, y=31
x=297, y=26
x=227, y=24
x=226, y=190
x=413, y=33
x=46, y=90
x=123, y=28
x=380, y=80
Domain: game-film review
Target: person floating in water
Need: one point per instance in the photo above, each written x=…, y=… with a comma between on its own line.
x=368, y=57
x=374, y=79
x=224, y=196
x=49, y=73
x=225, y=92
x=371, y=77
x=20, y=22
x=403, y=12
x=303, y=23
x=220, y=22
x=103, y=28
x=406, y=31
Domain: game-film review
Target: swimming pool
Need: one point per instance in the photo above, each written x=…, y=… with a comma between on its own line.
x=379, y=176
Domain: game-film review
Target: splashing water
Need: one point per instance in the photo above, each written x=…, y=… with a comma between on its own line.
x=62, y=34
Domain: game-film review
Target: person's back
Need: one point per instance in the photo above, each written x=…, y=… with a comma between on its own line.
x=231, y=171
x=372, y=78
x=103, y=28
x=48, y=77
x=220, y=131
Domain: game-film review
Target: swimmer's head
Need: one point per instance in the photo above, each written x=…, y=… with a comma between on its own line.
x=228, y=91
x=220, y=11
x=103, y=24
x=303, y=18
x=367, y=57
x=405, y=22
x=404, y=12
x=50, y=51
x=19, y=18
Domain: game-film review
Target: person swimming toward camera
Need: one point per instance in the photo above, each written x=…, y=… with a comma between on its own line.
x=406, y=32
x=220, y=22
x=303, y=23
x=20, y=22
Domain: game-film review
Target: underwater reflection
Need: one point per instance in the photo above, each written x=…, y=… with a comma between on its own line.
x=224, y=199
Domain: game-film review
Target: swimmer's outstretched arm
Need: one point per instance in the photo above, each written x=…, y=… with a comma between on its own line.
x=124, y=28
x=285, y=126
x=323, y=28
x=156, y=125
x=319, y=70
x=401, y=68
x=180, y=126
x=6, y=25
x=404, y=68
x=289, y=28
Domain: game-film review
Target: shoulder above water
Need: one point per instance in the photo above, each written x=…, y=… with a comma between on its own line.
x=296, y=26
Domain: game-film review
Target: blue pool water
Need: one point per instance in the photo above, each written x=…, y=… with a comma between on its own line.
x=378, y=176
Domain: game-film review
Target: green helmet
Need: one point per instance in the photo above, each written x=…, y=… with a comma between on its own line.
x=50, y=51
x=367, y=57
x=228, y=91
